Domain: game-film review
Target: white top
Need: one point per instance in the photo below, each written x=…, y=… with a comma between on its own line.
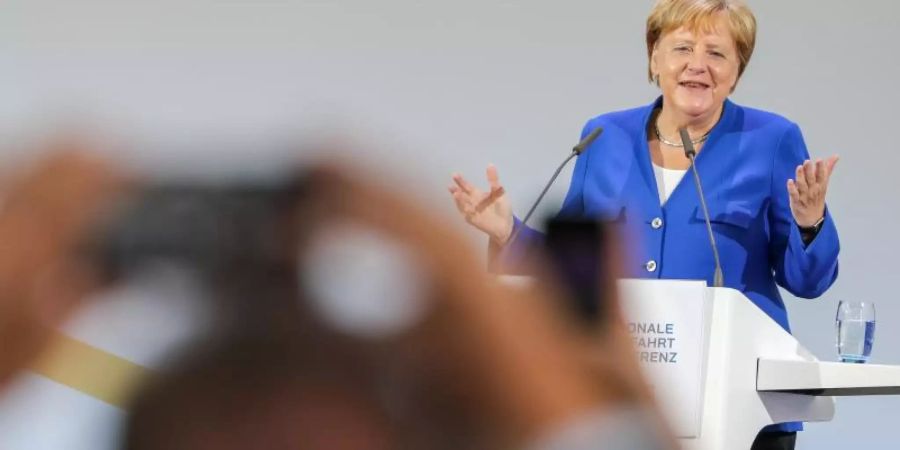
x=666, y=180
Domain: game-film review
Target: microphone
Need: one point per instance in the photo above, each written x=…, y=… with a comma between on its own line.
x=718, y=278
x=576, y=150
x=586, y=142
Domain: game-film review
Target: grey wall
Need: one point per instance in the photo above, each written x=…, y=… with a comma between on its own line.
x=424, y=88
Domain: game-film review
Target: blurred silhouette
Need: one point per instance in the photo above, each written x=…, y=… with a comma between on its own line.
x=396, y=339
x=346, y=317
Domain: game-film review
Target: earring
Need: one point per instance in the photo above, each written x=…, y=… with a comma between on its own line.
x=656, y=79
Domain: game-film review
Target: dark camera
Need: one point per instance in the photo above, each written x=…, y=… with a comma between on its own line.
x=210, y=228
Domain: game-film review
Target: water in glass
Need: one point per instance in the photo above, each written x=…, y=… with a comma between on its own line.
x=855, y=331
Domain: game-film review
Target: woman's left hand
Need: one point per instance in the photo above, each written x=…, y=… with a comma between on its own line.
x=807, y=192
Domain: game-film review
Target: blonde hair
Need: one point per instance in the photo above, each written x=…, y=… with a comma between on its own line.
x=700, y=15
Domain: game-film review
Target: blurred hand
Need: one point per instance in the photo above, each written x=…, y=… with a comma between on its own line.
x=505, y=356
x=807, y=192
x=490, y=212
x=44, y=214
x=509, y=358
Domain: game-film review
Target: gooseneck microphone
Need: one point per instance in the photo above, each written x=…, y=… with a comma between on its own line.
x=576, y=150
x=718, y=279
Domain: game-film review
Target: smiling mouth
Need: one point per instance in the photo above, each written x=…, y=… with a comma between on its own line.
x=693, y=84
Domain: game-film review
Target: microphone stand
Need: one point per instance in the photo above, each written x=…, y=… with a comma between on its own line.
x=718, y=278
x=577, y=150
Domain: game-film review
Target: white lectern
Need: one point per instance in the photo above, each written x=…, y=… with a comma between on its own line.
x=722, y=369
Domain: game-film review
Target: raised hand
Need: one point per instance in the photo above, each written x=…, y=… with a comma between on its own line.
x=490, y=212
x=807, y=192
x=48, y=213
x=479, y=331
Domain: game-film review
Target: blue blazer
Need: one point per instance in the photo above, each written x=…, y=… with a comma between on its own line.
x=744, y=167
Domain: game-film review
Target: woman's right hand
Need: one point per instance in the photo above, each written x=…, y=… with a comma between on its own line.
x=490, y=212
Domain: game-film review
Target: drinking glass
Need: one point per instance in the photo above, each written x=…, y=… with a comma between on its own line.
x=855, y=322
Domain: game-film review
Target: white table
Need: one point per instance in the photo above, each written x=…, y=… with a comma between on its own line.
x=826, y=378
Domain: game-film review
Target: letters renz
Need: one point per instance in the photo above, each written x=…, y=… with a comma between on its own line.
x=658, y=357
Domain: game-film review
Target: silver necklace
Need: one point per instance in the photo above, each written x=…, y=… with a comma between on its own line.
x=659, y=136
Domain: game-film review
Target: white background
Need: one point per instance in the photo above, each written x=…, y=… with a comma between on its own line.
x=424, y=88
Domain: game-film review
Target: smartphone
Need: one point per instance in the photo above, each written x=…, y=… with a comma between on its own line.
x=575, y=249
x=206, y=227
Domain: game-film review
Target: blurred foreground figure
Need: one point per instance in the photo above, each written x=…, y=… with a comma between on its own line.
x=381, y=331
x=368, y=326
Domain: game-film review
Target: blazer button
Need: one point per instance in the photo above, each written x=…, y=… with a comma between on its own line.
x=656, y=223
x=650, y=266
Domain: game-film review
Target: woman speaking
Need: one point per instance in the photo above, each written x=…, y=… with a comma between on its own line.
x=766, y=197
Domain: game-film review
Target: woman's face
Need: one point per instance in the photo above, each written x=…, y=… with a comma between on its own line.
x=697, y=71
